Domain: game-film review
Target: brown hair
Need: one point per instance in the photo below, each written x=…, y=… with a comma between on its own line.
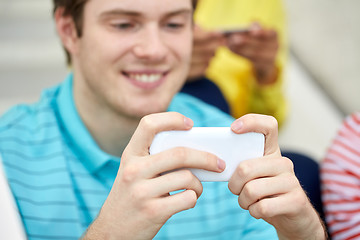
x=75, y=9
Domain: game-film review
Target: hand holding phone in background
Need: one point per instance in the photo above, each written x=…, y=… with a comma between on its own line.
x=256, y=43
x=260, y=46
x=205, y=45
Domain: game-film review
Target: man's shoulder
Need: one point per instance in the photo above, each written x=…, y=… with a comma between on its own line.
x=28, y=117
x=203, y=114
x=30, y=131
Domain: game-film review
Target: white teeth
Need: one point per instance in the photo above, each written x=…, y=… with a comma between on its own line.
x=146, y=78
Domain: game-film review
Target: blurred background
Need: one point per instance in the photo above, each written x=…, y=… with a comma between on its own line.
x=322, y=79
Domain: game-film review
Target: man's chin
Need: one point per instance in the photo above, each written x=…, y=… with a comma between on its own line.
x=143, y=114
x=138, y=108
x=140, y=113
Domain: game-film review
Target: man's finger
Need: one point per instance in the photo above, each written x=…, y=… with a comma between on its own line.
x=266, y=187
x=264, y=124
x=181, y=157
x=251, y=169
x=174, y=181
x=152, y=124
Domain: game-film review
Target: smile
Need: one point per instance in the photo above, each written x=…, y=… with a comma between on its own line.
x=146, y=80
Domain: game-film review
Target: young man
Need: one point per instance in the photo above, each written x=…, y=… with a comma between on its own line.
x=78, y=161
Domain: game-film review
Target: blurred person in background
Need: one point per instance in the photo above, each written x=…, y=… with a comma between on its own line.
x=240, y=72
x=340, y=178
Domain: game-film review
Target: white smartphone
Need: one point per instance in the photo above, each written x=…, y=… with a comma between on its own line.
x=221, y=141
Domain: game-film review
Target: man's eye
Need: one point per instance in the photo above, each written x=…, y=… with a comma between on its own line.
x=174, y=25
x=123, y=26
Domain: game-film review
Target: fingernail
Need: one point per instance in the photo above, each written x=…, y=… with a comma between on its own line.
x=237, y=125
x=188, y=122
x=221, y=164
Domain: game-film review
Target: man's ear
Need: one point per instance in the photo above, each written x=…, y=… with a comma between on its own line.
x=66, y=30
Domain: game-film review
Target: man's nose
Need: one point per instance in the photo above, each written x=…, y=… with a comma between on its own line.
x=151, y=45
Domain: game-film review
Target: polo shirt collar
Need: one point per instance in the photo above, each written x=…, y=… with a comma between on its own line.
x=82, y=142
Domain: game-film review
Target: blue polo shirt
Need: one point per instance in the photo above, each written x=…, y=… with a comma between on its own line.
x=60, y=177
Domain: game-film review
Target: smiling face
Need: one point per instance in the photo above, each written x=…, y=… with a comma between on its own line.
x=133, y=55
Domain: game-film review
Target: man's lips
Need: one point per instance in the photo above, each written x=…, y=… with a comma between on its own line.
x=145, y=80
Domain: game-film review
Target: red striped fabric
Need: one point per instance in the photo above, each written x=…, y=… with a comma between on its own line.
x=340, y=178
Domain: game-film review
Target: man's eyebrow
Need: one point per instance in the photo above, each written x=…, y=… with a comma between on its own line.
x=180, y=12
x=117, y=12
x=124, y=12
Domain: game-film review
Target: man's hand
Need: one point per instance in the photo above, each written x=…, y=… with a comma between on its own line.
x=139, y=202
x=260, y=46
x=204, y=48
x=268, y=187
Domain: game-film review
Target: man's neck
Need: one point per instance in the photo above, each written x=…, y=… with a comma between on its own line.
x=112, y=133
x=111, y=130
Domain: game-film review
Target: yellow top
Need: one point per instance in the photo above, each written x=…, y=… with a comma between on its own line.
x=233, y=74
